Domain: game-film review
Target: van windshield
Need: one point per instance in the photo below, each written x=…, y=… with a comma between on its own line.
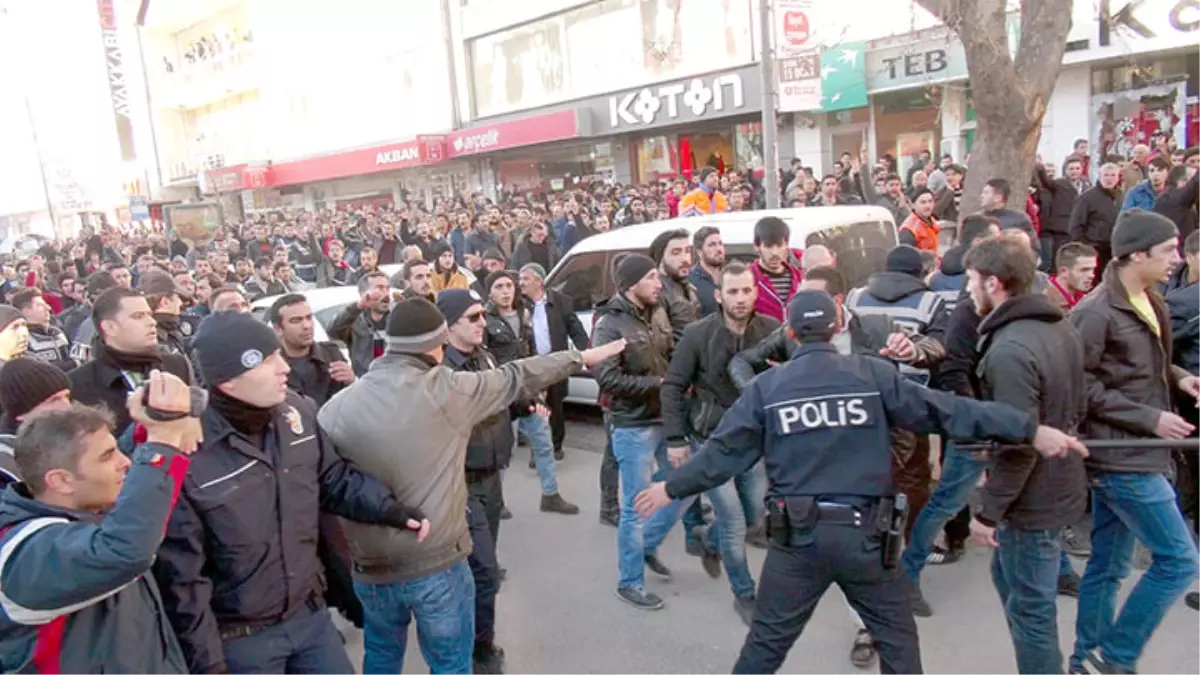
x=859, y=248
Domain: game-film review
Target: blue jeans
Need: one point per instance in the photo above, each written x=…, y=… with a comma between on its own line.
x=537, y=430
x=1128, y=507
x=1025, y=571
x=728, y=533
x=444, y=605
x=305, y=643
x=636, y=449
x=960, y=475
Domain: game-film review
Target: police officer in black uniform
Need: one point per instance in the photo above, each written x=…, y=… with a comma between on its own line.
x=820, y=422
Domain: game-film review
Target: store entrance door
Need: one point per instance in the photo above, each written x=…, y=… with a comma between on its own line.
x=709, y=148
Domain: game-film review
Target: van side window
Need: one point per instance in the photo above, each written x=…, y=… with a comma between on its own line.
x=584, y=279
x=860, y=248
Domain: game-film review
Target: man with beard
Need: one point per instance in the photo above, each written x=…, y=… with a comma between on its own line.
x=46, y=341
x=1095, y=213
x=672, y=252
x=920, y=230
x=416, y=278
x=948, y=199
x=125, y=353
x=263, y=284
x=333, y=270
x=894, y=199
x=368, y=262
x=175, y=330
x=535, y=247
x=710, y=252
x=777, y=279
x=634, y=213
x=1076, y=265
x=700, y=366
x=993, y=201
x=509, y=336
x=205, y=286
x=481, y=238
x=555, y=325
x=633, y=381
x=362, y=325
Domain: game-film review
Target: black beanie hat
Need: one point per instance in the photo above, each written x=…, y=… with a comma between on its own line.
x=631, y=269
x=27, y=383
x=438, y=247
x=415, y=326
x=9, y=314
x=497, y=276
x=228, y=344
x=1140, y=230
x=454, y=302
x=905, y=260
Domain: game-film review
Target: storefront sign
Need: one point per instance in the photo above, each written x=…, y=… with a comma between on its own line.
x=356, y=162
x=139, y=208
x=915, y=65
x=1103, y=29
x=233, y=178
x=798, y=66
x=844, y=77
x=117, y=86
x=404, y=155
x=555, y=126
x=709, y=97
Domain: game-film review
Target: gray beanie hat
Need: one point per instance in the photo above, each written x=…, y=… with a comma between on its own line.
x=1140, y=230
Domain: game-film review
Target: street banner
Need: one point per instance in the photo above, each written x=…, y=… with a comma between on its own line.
x=797, y=55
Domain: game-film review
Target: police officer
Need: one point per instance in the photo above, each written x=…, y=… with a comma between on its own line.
x=820, y=423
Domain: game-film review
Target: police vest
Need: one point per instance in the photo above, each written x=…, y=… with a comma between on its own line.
x=914, y=314
x=948, y=287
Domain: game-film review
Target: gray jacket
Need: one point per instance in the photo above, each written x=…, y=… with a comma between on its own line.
x=407, y=423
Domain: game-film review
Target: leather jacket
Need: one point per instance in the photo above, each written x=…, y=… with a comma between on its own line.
x=633, y=379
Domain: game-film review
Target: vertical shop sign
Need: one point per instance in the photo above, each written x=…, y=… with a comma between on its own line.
x=798, y=60
x=118, y=78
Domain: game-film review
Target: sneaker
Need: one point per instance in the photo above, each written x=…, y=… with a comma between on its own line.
x=1095, y=663
x=744, y=606
x=505, y=514
x=640, y=598
x=1076, y=544
x=1193, y=600
x=919, y=606
x=757, y=537
x=609, y=518
x=556, y=504
x=694, y=547
x=944, y=556
x=711, y=562
x=558, y=455
x=862, y=652
x=488, y=658
x=657, y=566
x=1068, y=584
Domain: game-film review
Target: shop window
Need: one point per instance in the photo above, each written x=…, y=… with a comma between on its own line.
x=585, y=279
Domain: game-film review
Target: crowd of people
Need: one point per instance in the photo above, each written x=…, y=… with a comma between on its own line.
x=366, y=474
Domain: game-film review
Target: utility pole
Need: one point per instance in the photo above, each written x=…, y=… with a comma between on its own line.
x=767, y=69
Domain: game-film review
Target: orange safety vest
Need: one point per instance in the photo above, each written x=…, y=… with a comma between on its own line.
x=924, y=231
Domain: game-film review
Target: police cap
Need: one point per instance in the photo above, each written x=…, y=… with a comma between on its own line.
x=812, y=314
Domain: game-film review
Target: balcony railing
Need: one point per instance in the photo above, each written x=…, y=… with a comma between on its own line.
x=218, y=76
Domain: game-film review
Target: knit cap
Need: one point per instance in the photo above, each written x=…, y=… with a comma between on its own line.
x=26, y=383
x=415, y=326
x=228, y=344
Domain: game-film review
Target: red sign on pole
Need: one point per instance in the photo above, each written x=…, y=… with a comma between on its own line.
x=795, y=28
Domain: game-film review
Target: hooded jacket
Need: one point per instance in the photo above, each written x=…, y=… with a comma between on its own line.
x=408, y=423
x=78, y=596
x=1032, y=359
x=768, y=302
x=905, y=298
x=951, y=277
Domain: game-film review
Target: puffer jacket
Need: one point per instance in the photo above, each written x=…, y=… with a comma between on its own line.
x=1032, y=359
x=1129, y=375
x=78, y=594
x=633, y=379
x=490, y=446
x=407, y=422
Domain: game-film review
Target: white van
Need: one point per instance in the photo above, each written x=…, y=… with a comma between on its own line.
x=859, y=236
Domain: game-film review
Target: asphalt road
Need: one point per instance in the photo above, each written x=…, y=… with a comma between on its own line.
x=558, y=613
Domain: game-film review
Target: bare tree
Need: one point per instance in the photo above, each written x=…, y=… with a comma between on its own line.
x=1011, y=93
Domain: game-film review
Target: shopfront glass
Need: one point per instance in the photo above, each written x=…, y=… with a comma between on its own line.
x=685, y=154
x=607, y=46
x=548, y=170
x=907, y=123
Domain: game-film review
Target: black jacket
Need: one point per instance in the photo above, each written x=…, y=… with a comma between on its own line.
x=956, y=373
x=1179, y=204
x=701, y=364
x=355, y=328
x=682, y=303
x=49, y=344
x=502, y=341
x=1093, y=217
x=1057, y=218
x=706, y=290
x=491, y=443
x=241, y=546
x=99, y=382
x=1184, y=305
x=318, y=386
x=633, y=379
x=1128, y=372
x=1011, y=219
x=523, y=253
x=1032, y=359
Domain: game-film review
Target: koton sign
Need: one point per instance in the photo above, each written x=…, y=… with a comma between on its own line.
x=1102, y=29
x=733, y=92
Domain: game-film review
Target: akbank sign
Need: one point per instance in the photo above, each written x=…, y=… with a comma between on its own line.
x=678, y=102
x=1106, y=29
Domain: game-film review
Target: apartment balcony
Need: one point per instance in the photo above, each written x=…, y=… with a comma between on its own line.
x=197, y=83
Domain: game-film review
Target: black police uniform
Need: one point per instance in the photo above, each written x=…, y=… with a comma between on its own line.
x=820, y=424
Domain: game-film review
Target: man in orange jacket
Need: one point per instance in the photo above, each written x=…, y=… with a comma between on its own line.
x=920, y=230
x=705, y=198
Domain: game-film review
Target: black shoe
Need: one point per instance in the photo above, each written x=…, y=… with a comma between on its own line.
x=694, y=547
x=744, y=606
x=657, y=566
x=1068, y=584
x=488, y=658
x=610, y=518
x=944, y=556
x=522, y=440
x=640, y=598
x=1193, y=600
x=1076, y=544
x=1095, y=663
x=558, y=455
x=532, y=463
x=556, y=504
x=917, y=599
x=505, y=514
x=862, y=652
x=757, y=537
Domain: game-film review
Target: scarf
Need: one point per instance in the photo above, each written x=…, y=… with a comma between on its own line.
x=248, y=420
x=137, y=362
x=167, y=322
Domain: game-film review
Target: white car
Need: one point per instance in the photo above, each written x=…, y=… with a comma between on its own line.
x=859, y=236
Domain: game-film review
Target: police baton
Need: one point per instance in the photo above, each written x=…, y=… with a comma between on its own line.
x=1193, y=443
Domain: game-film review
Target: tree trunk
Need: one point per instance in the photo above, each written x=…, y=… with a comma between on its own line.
x=1010, y=94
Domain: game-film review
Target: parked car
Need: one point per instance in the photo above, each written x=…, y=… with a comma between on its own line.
x=859, y=236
